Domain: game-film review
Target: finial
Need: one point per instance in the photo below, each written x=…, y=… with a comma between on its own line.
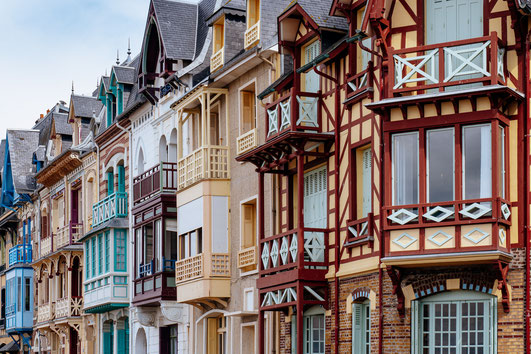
x=129, y=46
x=72, y=87
x=117, y=57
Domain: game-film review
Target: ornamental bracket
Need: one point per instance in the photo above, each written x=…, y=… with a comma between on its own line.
x=396, y=278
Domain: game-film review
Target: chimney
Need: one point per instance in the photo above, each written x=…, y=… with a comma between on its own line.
x=47, y=111
x=42, y=116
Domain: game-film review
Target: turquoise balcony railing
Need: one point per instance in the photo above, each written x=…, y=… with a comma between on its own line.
x=113, y=206
x=20, y=254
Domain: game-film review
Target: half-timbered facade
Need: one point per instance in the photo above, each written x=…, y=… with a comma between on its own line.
x=398, y=138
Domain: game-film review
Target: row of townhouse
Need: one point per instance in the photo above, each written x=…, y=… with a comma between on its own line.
x=275, y=176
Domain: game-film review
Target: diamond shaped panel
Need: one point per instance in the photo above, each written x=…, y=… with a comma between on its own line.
x=294, y=247
x=265, y=255
x=402, y=216
x=506, y=211
x=274, y=253
x=284, y=250
x=440, y=238
x=475, y=210
x=502, y=235
x=404, y=240
x=438, y=214
x=473, y=234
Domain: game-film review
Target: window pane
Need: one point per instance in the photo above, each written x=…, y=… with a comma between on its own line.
x=501, y=161
x=405, y=168
x=477, y=162
x=440, y=164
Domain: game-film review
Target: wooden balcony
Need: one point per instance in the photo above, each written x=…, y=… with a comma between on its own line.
x=439, y=66
x=153, y=285
x=217, y=60
x=45, y=313
x=467, y=231
x=247, y=259
x=360, y=232
x=252, y=35
x=106, y=291
x=113, y=206
x=68, y=235
x=203, y=276
x=359, y=84
x=20, y=254
x=246, y=141
x=68, y=307
x=160, y=179
x=295, y=255
x=294, y=112
x=207, y=162
x=46, y=245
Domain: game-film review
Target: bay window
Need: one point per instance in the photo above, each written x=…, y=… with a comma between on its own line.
x=447, y=164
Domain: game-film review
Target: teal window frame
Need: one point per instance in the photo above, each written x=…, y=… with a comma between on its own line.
x=120, y=250
x=93, y=241
x=87, y=259
x=361, y=327
x=107, y=250
x=121, y=179
x=466, y=306
x=100, y=254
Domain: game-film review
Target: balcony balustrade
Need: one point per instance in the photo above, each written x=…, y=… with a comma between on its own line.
x=46, y=245
x=161, y=178
x=448, y=227
x=113, y=206
x=207, y=162
x=68, y=235
x=360, y=231
x=252, y=35
x=294, y=112
x=289, y=251
x=20, y=254
x=218, y=265
x=68, y=307
x=155, y=282
x=247, y=257
x=45, y=313
x=360, y=83
x=217, y=60
x=439, y=66
x=246, y=141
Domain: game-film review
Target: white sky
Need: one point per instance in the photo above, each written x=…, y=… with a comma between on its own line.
x=48, y=44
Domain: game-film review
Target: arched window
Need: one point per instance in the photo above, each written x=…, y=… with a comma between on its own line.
x=172, y=147
x=454, y=322
x=163, y=150
x=140, y=162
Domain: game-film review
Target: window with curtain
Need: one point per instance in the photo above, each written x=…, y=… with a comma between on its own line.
x=438, y=155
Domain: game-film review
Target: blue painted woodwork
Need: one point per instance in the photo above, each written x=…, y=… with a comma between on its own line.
x=8, y=188
x=113, y=206
x=19, y=299
x=20, y=254
x=110, y=183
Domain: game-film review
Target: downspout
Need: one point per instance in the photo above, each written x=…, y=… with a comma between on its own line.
x=527, y=90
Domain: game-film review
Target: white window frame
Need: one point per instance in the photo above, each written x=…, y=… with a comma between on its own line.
x=452, y=146
x=393, y=163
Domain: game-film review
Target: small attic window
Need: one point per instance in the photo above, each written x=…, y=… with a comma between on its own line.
x=219, y=34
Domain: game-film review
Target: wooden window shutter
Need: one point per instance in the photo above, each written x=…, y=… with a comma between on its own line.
x=357, y=328
x=212, y=334
x=121, y=179
x=249, y=225
x=248, y=111
x=110, y=183
x=366, y=178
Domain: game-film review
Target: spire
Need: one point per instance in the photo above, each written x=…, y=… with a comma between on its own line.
x=117, y=57
x=128, y=60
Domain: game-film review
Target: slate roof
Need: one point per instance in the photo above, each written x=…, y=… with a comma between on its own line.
x=62, y=126
x=106, y=81
x=2, y=154
x=125, y=74
x=205, y=9
x=235, y=4
x=177, y=22
x=319, y=12
x=525, y=5
x=84, y=106
x=22, y=144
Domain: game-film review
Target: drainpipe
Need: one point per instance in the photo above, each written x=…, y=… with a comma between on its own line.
x=527, y=91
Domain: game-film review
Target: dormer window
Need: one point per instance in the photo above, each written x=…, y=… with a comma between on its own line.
x=218, y=44
x=252, y=34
